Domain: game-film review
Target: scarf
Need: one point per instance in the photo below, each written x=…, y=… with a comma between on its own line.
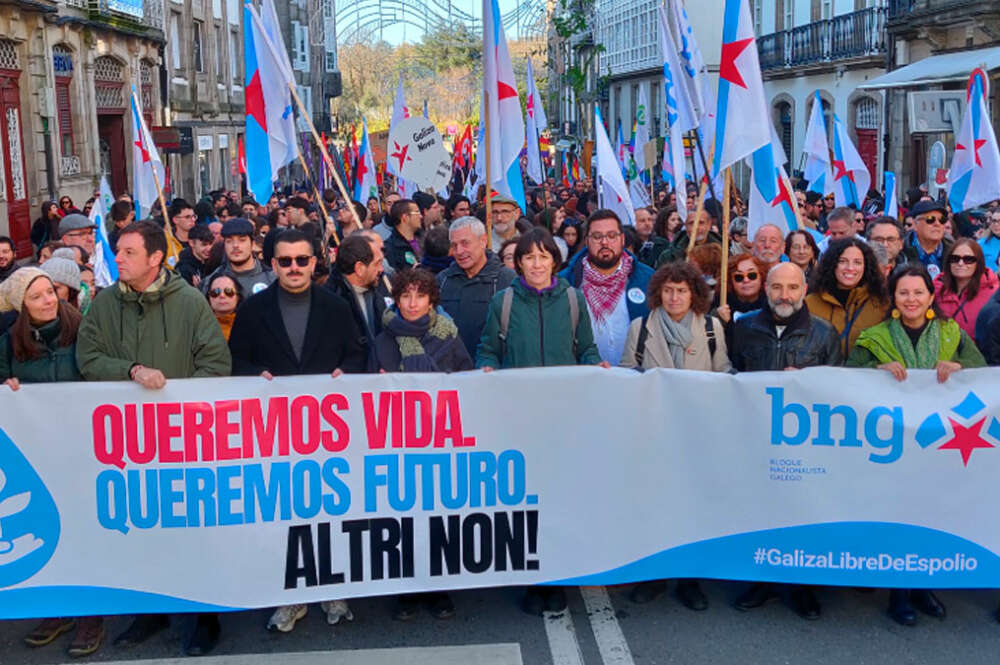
x=604, y=291
x=677, y=334
x=938, y=341
x=422, y=342
x=157, y=284
x=226, y=323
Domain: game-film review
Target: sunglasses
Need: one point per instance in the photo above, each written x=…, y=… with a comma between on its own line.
x=934, y=220
x=967, y=259
x=229, y=291
x=751, y=276
x=286, y=261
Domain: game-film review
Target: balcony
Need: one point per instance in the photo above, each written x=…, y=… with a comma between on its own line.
x=859, y=34
x=132, y=16
x=69, y=166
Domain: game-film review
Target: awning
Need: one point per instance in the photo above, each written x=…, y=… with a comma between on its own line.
x=943, y=68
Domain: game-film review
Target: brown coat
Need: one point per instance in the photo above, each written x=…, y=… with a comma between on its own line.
x=861, y=308
x=657, y=353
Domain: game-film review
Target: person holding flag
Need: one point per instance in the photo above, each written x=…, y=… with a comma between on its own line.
x=974, y=176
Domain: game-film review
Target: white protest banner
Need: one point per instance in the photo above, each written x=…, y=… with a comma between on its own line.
x=417, y=152
x=240, y=493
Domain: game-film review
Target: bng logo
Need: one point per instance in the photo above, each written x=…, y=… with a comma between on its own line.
x=961, y=428
x=29, y=520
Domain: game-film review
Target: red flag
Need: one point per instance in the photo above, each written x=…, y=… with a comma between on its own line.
x=241, y=152
x=463, y=149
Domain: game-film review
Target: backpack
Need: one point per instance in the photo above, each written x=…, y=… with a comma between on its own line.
x=508, y=302
x=640, y=347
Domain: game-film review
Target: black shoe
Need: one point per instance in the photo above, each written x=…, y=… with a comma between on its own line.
x=533, y=602
x=440, y=606
x=925, y=601
x=644, y=592
x=690, y=594
x=900, y=609
x=805, y=604
x=555, y=599
x=143, y=627
x=758, y=594
x=407, y=607
x=205, y=635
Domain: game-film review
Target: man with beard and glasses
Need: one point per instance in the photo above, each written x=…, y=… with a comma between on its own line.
x=783, y=336
x=505, y=213
x=613, y=282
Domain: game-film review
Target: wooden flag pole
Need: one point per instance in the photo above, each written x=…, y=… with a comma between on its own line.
x=322, y=205
x=172, y=242
x=697, y=215
x=704, y=163
x=724, y=278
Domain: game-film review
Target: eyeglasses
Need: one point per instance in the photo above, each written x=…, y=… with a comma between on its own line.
x=932, y=219
x=286, y=261
x=82, y=233
x=229, y=291
x=751, y=276
x=610, y=236
x=967, y=259
x=884, y=240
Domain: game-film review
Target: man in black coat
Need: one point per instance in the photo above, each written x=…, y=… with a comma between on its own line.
x=402, y=249
x=357, y=278
x=783, y=335
x=292, y=327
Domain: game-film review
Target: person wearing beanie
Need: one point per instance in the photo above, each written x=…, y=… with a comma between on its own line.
x=65, y=276
x=76, y=230
x=40, y=347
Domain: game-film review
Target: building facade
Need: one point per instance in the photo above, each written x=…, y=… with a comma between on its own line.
x=66, y=71
x=830, y=46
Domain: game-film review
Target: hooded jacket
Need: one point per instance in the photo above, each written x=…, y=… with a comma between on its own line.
x=168, y=327
x=957, y=306
x=467, y=299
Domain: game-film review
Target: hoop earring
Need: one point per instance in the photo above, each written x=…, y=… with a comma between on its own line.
x=895, y=313
x=930, y=314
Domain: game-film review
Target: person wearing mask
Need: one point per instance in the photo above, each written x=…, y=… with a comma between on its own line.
x=356, y=277
x=402, y=249
x=290, y=328
x=75, y=230
x=195, y=261
x=613, y=283
x=801, y=249
x=470, y=282
x=224, y=295
x=8, y=256
x=847, y=291
x=965, y=285
x=40, y=347
x=239, y=261
x=783, y=335
x=927, y=243
x=506, y=212
x=46, y=227
x=149, y=327
x=990, y=240
x=885, y=231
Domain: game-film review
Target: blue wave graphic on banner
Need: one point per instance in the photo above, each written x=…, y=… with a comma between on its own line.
x=35, y=602
x=880, y=554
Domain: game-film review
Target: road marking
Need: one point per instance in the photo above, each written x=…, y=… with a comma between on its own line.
x=610, y=639
x=480, y=654
x=563, y=644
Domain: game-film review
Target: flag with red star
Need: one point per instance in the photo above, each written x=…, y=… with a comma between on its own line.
x=365, y=184
x=851, y=178
x=974, y=177
x=817, y=151
x=612, y=191
x=742, y=115
x=147, y=168
x=536, y=122
x=771, y=198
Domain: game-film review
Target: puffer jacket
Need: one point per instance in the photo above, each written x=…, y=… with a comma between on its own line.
x=807, y=341
x=57, y=363
x=168, y=327
x=957, y=306
x=539, y=333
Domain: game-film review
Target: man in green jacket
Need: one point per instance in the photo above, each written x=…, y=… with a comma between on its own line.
x=148, y=327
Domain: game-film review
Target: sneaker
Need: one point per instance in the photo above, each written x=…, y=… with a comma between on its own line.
x=284, y=618
x=89, y=637
x=406, y=606
x=440, y=605
x=336, y=610
x=48, y=630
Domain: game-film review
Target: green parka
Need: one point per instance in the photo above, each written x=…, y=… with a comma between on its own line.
x=539, y=334
x=57, y=363
x=168, y=327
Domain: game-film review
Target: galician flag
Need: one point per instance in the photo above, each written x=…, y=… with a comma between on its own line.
x=147, y=169
x=621, y=152
x=673, y=147
x=691, y=101
x=891, y=196
x=817, y=150
x=536, y=122
x=506, y=125
x=365, y=184
x=974, y=176
x=742, y=118
x=772, y=200
x=105, y=268
x=640, y=135
x=272, y=27
x=612, y=191
x=851, y=179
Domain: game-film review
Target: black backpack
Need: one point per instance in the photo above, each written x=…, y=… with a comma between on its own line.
x=640, y=347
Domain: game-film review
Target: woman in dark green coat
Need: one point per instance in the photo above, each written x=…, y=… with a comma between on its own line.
x=41, y=348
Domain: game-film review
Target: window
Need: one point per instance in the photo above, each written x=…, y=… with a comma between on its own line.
x=757, y=16
x=216, y=8
x=329, y=37
x=175, y=41
x=199, y=65
x=300, y=46
x=220, y=49
x=62, y=66
x=827, y=9
x=789, y=14
x=783, y=113
x=234, y=48
x=305, y=94
x=654, y=105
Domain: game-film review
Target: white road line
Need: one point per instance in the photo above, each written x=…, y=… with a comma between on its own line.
x=610, y=639
x=563, y=644
x=480, y=654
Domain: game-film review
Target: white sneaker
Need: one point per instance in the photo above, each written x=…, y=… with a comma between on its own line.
x=284, y=618
x=336, y=610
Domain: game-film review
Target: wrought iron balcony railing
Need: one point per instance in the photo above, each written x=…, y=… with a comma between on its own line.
x=853, y=35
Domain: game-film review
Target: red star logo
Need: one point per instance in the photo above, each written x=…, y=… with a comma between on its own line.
x=727, y=68
x=784, y=194
x=142, y=149
x=255, y=101
x=978, y=143
x=400, y=154
x=530, y=106
x=966, y=439
x=359, y=173
x=504, y=91
x=842, y=171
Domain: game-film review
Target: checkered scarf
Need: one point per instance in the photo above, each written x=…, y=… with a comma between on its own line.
x=604, y=291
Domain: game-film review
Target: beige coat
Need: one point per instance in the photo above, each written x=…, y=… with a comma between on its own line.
x=657, y=353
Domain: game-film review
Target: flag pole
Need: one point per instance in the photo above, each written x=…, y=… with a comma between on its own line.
x=489, y=175
x=724, y=278
x=326, y=155
x=697, y=214
x=704, y=163
x=172, y=242
x=652, y=195
x=319, y=201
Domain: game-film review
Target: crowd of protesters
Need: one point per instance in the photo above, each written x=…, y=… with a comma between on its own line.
x=306, y=285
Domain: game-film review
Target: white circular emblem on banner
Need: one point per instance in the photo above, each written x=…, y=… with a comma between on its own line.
x=636, y=295
x=258, y=287
x=933, y=271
